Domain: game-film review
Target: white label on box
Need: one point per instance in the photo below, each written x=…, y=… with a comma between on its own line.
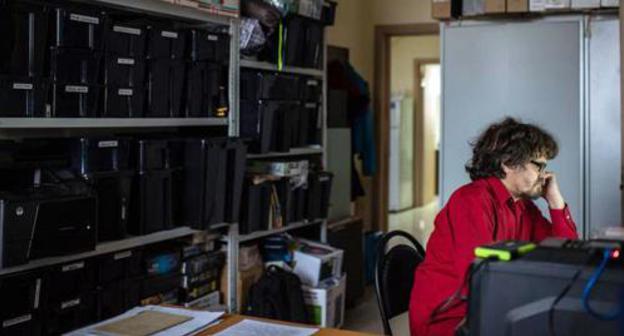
x=70, y=303
x=73, y=267
x=84, y=19
x=312, y=83
x=122, y=255
x=76, y=89
x=557, y=4
x=125, y=92
x=213, y=38
x=17, y=320
x=169, y=34
x=537, y=5
x=127, y=30
x=108, y=144
x=125, y=61
x=310, y=105
x=22, y=86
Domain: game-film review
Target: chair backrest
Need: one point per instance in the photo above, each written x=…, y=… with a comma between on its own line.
x=394, y=275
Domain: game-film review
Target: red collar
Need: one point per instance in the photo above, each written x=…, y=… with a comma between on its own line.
x=502, y=195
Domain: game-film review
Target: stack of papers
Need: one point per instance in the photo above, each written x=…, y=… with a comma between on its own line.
x=152, y=320
x=257, y=328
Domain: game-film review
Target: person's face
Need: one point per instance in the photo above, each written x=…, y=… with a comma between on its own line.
x=527, y=180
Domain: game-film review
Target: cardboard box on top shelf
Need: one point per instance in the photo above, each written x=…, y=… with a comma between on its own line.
x=445, y=9
x=517, y=6
x=495, y=6
x=473, y=8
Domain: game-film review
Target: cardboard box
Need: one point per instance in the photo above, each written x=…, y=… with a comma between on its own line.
x=610, y=3
x=585, y=4
x=495, y=6
x=557, y=4
x=326, y=303
x=473, y=8
x=446, y=9
x=243, y=284
x=315, y=262
x=517, y=6
x=537, y=5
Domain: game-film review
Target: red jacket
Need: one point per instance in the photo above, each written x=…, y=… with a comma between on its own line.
x=476, y=214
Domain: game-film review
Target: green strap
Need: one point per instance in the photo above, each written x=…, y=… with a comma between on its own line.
x=280, y=48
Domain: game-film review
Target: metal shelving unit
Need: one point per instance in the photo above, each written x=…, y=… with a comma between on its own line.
x=105, y=248
x=293, y=152
x=20, y=123
x=290, y=227
x=272, y=67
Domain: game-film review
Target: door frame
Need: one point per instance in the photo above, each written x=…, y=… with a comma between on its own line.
x=383, y=34
x=419, y=131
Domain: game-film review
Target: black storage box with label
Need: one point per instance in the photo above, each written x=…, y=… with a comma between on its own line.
x=123, y=102
x=319, y=190
x=116, y=298
x=62, y=282
x=24, y=32
x=165, y=84
x=150, y=206
x=151, y=154
x=257, y=121
x=236, y=161
x=23, y=97
x=272, y=86
x=125, y=39
x=114, y=192
x=311, y=90
x=256, y=206
x=202, y=90
x=205, y=172
x=98, y=155
x=76, y=311
x=75, y=66
x=76, y=100
x=124, y=71
x=209, y=46
x=21, y=312
x=118, y=266
x=164, y=41
x=78, y=27
x=37, y=226
x=285, y=123
x=313, y=132
x=313, y=44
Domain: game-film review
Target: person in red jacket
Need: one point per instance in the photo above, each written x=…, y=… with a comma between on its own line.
x=508, y=171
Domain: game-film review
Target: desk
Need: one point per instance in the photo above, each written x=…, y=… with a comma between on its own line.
x=230, y=320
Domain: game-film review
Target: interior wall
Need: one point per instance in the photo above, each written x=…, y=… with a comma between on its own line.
x=401, y=12
x=404, y=50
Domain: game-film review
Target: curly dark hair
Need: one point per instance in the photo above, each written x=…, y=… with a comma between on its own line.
x=508, y=142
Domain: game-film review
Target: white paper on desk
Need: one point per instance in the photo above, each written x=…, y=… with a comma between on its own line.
x=257, y=328
x=200, y=321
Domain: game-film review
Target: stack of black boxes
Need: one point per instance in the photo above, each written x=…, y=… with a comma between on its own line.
x=104, y=164
x=23, y=80
x=77, y=42
x=151, y=207
x=124, y=68
x=84, y=61
x=279, y=111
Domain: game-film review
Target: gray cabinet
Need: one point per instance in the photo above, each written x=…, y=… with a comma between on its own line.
x=538, y=71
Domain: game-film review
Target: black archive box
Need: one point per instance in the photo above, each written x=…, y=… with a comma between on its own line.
x=202, y=90
x=209, y=46
x=255, y=206
x=164, y=41
x=78, y=27
x=75, y=66
x=257, y=123
x=21, y=312
x=165, y=85
x=125, y=38
x=23, y=97
x=76, y=100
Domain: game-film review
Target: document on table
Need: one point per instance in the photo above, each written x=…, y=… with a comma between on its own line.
x=257, y=328
x=183, y=322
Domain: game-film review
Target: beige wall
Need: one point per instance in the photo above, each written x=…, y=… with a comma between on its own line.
x=354, y=31
x=392, y=12
x=403, y=52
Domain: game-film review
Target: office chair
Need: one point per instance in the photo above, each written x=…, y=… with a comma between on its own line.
x=394, y=275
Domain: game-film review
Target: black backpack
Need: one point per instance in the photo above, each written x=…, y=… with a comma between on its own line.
x=278, y=295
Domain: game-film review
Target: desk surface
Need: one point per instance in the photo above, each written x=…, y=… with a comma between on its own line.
x=230, y=320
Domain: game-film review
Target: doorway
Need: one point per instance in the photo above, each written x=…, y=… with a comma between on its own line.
x=407, y=98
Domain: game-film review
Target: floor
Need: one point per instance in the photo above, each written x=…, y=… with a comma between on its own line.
x=418, y=222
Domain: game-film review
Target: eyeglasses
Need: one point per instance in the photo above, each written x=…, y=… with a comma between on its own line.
x=541, y=166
